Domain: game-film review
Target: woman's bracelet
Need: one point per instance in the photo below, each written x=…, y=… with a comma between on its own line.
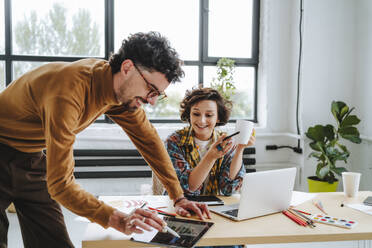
x=178, y=200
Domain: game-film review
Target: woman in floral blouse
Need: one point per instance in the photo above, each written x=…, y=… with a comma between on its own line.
x=201, y=168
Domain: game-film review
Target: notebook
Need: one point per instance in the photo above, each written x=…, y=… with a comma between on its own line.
x=262, y=193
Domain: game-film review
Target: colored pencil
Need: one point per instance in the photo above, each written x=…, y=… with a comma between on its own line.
x=309, y=222
x=163, y=212
x=305, y=217
x=286, y=213
x=290, y=217
x=302, y=222
x=303, y=212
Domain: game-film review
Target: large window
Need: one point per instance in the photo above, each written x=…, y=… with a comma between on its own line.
x=36, y=32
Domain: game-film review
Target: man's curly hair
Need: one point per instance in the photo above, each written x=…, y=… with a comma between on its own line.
x=150, y=51
x=194, y=96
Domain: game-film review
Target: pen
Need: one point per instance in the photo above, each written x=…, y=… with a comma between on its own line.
x=219, y=147
x=163, y=212
x=228, y=137
x=142, y=206
x=133, y=210
x=171, y=231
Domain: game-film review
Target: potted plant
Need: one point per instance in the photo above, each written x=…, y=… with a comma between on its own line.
x=224, y=83
x=325, y=141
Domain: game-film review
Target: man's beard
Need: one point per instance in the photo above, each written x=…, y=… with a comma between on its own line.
x=126, y=106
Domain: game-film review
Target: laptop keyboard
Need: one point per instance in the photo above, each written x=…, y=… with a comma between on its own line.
x=233, y=212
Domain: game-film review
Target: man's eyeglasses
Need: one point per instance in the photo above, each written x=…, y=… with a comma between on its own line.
x=154, y=92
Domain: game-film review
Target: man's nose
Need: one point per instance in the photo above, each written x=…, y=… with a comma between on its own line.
x=152, y=100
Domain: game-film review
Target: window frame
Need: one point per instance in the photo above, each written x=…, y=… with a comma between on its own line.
x=203, y=58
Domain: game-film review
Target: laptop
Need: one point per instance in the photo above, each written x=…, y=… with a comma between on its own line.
x=262, y=193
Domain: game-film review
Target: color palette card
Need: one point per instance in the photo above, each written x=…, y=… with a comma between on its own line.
x=334, y=221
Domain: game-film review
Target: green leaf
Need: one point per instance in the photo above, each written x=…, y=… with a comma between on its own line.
x=330, y=178
x=354, y=139
x=351, y=134
x=334, y=108
x=344, y=111
x=339, y=170
x=349, y=131
x=333, y=142
x=319, y=166
x=343, y=148
x=341, y=156
x=348, y=113
x=325, y=141
x=337, y=108
x=315, y=155
x=323, y=172
x=224, y=83
x=316, y=133
x=314, y=146
x=350, y=121
x=328, y=132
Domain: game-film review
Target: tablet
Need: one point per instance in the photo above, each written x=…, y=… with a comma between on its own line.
x=210, y=200
x=191, y=231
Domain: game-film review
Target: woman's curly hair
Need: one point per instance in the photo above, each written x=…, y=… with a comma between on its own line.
x=150, y=51
x=194, y=96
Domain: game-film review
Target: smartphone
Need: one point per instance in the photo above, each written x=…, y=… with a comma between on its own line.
x=228, y=137
x=210, y=200
x=368, y=201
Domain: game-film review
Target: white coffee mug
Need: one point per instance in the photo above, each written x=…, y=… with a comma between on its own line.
x=245, y=128
x=351, y=183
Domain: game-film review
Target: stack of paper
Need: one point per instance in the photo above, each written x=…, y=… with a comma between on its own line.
x=361, y=207
x=301, y=197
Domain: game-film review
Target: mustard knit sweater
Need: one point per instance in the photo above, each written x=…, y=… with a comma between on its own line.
x=48, y=106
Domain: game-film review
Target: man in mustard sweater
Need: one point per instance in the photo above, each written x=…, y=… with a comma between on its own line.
x=45, y=109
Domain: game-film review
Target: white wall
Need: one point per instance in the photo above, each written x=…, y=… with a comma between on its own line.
x=362, y=156
x=363, y=64
x=328, y=62
x=336, y=66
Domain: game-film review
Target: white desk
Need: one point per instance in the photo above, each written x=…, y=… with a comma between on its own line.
x=275, y=228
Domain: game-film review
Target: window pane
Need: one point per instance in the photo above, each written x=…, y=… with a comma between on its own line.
x=230, y=28
x=2, y=28
x=178, y=20
x=169, y=108
x=244, y=97
x=101, y=118
x=2, y=75
x=21, y=67
x=58, y=28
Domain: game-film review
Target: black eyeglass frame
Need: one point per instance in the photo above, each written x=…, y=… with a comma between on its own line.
x=154, y=91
